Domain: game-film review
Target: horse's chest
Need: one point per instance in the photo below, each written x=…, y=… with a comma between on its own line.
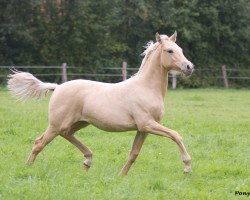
x=157, y=111
x=149, y=109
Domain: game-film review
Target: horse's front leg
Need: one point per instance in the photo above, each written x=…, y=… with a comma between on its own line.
x=137, y=144
x=157, y=129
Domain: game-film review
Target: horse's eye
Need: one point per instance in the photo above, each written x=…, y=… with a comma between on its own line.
x=170, y=51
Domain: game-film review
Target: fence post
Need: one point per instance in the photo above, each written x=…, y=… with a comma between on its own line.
x=224, y=74
x=124, y=70
x=64, y=72
x=174, y=81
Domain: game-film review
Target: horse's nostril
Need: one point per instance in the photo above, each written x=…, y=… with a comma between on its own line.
x=188, y=67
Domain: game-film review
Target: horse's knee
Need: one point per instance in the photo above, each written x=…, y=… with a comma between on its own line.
x=177, y=137
x=38, y=140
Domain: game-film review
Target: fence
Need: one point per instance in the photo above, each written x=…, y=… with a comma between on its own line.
x=217, y=77
x=63, y=73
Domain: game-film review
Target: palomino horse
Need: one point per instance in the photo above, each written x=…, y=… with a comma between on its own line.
x=134, y=104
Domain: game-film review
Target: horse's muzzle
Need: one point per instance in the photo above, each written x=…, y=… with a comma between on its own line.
x=188, y=72
x=187, y=68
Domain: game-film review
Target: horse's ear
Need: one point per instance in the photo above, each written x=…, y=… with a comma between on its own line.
x=158, y=37
x=173, y=37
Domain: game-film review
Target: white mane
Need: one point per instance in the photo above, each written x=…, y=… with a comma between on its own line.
x=151, y=46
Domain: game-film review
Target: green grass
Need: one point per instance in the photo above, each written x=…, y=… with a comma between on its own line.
x=215, y=126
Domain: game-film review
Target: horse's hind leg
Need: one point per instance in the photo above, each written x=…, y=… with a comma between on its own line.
x=40, y=143
x=82, y=147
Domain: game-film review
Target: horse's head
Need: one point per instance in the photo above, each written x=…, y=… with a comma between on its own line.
x=172, y=57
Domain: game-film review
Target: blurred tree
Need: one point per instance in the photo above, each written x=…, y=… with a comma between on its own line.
x=98, y=34
x=15, y=37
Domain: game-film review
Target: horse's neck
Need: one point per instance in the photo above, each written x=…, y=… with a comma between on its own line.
x=153, y=75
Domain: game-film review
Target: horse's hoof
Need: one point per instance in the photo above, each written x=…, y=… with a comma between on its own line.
x=122, y=174
x=86, y=167
x=29, y=163
x=187, y=170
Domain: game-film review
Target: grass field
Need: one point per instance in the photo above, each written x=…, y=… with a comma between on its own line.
x=215, y=126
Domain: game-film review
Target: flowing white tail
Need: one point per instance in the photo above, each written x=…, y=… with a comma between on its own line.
x=25, y=86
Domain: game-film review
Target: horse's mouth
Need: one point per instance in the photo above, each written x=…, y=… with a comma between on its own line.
x=188, y=72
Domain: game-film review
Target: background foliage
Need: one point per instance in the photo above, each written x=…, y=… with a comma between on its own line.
x=96, y=34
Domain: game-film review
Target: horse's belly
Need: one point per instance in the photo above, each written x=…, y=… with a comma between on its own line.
x=111, y=123
x=108, y=118
x=113, y=126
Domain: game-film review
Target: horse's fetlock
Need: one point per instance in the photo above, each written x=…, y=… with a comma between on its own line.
x=89, y=154
x=88, y=161
x=187, y=160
